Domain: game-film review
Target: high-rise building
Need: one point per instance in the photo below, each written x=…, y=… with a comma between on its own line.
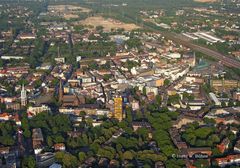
x=23, y=96
x=118, y=108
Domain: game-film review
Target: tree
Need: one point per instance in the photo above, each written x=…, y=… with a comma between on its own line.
x=1, y=63
x=209, y=121
x=216, y=152
x=93, y=65
x=144, y=91
x=134, y=43
x=119, y=148
x=49, y=141
x=149, y=155
x=22, y=82
x=54, y=126
x=7, y=140
x=107, y=152
x=201, y=136
x=174, y=98
x=127, y=155
x=238, y=103
x=99, y=28
x=143, y=133
x=176, y=163
x=67, y=159
x=28, y=162
x=168, y=150
x=38, y=83
x=55, y=82
x=188, y=96
x=70, y=160
x=82, y=113
x=130, y=64
x=158, y=100
x=82, y=156
x=167, y=82
x=129, y=114
x=85, y=139
x=153, y=107
x=223, y=104
x=72, y=142
x=231, y=104
x=94, y=147
x=203, y=132
x=2, y=106
x=59, y=156
x=106, y=77
x=201, y=163
x=58, y=138
x=25, y=126
x=123, y=124
x=127, y=143
x=7, y=132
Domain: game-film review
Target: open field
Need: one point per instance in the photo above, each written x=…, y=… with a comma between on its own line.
x=68, y=11
x=70, y=16
x=107, y=24
x=72, y=8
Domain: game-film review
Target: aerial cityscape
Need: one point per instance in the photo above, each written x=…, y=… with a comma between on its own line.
x=119, y=83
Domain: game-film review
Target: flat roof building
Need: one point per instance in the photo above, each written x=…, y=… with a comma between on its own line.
x=214, y=99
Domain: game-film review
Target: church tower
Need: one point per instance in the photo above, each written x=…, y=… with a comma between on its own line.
x=23, y=97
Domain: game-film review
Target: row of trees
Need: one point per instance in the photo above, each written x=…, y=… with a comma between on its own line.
x=38, y=52
x=161, y=121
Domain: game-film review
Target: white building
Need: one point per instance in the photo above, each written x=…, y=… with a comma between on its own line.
x=96, y=123
x=135, y=105
x=206, y=36
x=215, y=99
x=174, y=55
x=152, y=89
x=5, y=57
x=196, y=104
x=102, y=112
x=34, y=110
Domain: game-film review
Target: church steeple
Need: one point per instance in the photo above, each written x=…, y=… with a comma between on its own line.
x=23, y=96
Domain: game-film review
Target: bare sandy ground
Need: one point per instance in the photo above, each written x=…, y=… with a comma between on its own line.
x=68, y=11
x=107, y=24
x=62, y=8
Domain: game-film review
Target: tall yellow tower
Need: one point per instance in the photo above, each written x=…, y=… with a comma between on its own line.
x=118, y=108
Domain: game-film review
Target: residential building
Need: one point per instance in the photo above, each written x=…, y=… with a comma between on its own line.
x=228, y=160
x=237, y=146
x=59, y=147
x=37, y=140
